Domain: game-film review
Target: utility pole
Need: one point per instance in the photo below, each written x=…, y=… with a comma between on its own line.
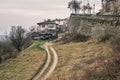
x=88, y=7
x=94, y=9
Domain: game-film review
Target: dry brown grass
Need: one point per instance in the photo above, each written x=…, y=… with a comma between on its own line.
x=74, y=37
x=78, y=60
x=24, y=66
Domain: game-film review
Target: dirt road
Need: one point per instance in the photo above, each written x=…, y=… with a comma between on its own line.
x=47, y=70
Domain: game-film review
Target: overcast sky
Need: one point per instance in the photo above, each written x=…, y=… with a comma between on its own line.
x=29, y=12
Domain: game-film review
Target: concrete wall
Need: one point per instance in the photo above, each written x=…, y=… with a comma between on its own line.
x=85, y=24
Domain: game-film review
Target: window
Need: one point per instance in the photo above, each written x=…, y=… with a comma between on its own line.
x=43, y=26
x=51, y=25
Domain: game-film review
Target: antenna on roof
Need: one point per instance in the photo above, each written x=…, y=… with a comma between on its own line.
x=94, y=9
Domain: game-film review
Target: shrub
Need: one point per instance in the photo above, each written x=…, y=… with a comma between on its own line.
x=104, y=33
x=6, y=50
x=98, y=33
x=74, y=37
x=78, y=37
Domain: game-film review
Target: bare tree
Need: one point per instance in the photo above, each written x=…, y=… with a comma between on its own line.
x=74, y=6
x=33, y=33
x=17, y=37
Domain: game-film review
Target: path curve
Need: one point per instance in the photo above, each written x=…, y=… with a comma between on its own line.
x=48, y=47
x=46, y=65
x=55, y=61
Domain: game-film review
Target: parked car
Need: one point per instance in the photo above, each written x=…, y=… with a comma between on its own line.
x=36, y=38
x=43, y=37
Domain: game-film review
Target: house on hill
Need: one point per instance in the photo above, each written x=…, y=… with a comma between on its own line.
x=62, y=25
x=52, y=28
x=47, y=28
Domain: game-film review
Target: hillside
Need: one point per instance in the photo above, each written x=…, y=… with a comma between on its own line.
x=81, y=60
x=25, y=65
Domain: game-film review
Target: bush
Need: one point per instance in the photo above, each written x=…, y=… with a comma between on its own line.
x=98, y=33
x=6, y=50
x=101, y=34
x=74, y=37
x=78, y=37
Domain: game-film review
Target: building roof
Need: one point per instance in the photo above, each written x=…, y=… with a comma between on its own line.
x=46, y=22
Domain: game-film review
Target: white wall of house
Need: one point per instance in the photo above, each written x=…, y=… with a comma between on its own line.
x=48, y=28
x=52, y=26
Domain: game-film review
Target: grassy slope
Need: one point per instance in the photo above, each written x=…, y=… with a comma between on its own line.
x=25, y=65
x=77, y=59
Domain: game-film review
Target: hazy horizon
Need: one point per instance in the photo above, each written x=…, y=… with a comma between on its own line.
x=29, y=12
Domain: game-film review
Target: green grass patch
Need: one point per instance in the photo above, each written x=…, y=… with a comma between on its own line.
x=37, y=45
